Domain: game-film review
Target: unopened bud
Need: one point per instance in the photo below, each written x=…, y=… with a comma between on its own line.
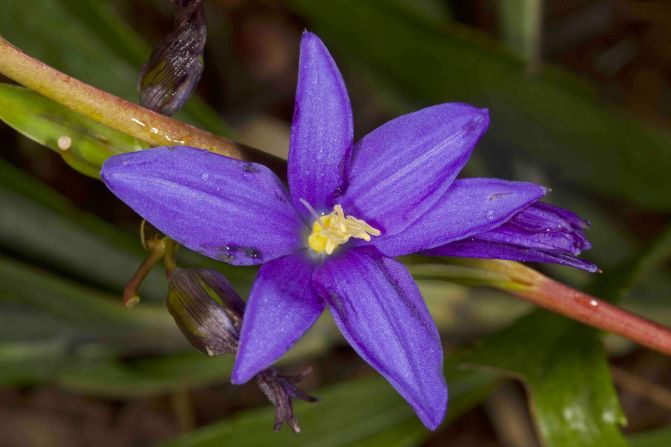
x=206, y=309
x=175, y=66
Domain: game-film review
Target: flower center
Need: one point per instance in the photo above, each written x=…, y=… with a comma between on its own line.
x=335, y=229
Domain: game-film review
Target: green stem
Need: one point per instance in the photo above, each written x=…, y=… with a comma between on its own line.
x=117, y=113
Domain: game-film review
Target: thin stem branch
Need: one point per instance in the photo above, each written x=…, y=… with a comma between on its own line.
x=131, y=294
x=117, y=113
x=562, y=299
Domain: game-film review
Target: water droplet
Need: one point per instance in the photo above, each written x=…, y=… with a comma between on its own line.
x=64, y=143
x=227, y=253
x=586, y=301
x=249, y=167
x=490, y=214
x=498, y=195
x=137, y=121
x=252, y=253
x=204, y=176
x=280, y=197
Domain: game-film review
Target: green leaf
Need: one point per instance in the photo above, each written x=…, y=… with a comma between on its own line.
x=55, y=331
x=619, y=280
x=97, y=47
x=74, y=243
x=436, y=11
x=364, y=412
x=147, y=376
x=654, y=438
x=551, y=118
x=45, y=121
x=565, y=369
x=49, y=326
x=521, y=23
x=94, y=314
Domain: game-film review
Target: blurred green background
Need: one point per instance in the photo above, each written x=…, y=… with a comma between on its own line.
x=580, y=100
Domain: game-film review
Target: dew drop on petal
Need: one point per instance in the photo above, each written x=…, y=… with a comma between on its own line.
x=249, y=167
x=253, y=253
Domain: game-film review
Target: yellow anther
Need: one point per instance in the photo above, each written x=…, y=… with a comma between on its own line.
x=335, y=229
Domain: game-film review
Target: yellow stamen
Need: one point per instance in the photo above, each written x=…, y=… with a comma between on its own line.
x=335, y=229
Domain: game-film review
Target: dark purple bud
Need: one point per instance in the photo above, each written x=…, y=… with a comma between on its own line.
x=175, y=66
x=206, y=309
x=280, y=390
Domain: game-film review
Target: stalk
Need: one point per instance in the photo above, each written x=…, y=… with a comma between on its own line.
x=117, y=113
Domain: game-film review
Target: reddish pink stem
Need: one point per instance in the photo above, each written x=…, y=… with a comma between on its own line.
x=587, y=309
x=562, y=299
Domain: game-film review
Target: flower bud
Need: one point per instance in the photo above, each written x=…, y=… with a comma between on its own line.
x=206, y=309
x=175, y=66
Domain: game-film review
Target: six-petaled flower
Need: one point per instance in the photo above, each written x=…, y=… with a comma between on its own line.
x=329, y=241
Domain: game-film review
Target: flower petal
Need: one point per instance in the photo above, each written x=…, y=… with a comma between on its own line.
x=402, y=168
x=379, y=310
x=322, y=129
x=469, y=207
x=474, y=248
x=539, y=233
x=281, y=307
x=541, y=227
x=229, y=210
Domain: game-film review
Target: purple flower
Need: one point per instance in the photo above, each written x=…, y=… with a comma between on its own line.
x=329, y=240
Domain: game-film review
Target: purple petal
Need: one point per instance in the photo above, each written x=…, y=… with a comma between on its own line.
x=321, y=131
x=230, y=210
x=473, y=248
x=539, y=227
x=469, y=207
x=538, y=233
x=570, y=217
x=402, y=168
x=281, y=307
x=379, y=310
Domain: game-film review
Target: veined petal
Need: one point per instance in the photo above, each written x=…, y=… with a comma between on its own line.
x=539, y=233
x=280, y=308
x=229, y=210
x=402, y=168
x=322, y=129
x=568, y=216
x=378, y=308
x=469, y=207
x=540, y=226
x=474, y=248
